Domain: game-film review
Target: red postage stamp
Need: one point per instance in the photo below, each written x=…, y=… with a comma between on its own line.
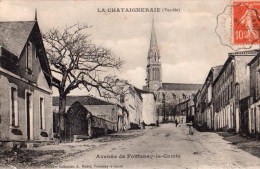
x=246, y=22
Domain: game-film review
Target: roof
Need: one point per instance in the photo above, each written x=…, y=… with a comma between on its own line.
x=181, y=86
x=232, y=56
x=77, y=108
x=143, y=92
x=14, y=35
x=254, y=59
x=216, y=71
x=84, y=100
x=137, y=92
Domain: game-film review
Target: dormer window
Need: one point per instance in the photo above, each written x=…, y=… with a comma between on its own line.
x=29, y=53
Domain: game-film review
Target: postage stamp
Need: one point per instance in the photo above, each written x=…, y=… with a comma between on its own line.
x=246, y=22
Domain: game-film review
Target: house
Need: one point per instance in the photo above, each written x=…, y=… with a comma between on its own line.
x=197, y=104
x=231, y=92
x=25, y=84
x=190, y=116
x=133, y=102
x=182, y=111
x=99, y=108
x=81, y=124
x=206, y=108
x=149, y=113
x=254, y=100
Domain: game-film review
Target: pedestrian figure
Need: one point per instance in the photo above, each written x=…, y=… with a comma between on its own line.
x=143, y=123
x=157, y=123
x=176, y=122
x=190, y=129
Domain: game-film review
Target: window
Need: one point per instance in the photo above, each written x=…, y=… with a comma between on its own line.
x=14, y=107
x=34, y=51
x=29, y=53
x=42, y=115
x=228, y=93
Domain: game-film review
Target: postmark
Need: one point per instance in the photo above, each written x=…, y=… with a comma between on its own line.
x=246, y=22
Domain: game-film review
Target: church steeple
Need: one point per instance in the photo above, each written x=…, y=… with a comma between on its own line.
x=153, y=40
x=154, y=75
x=35, y=14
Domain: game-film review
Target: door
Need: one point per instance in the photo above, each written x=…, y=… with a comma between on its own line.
x=29, y=116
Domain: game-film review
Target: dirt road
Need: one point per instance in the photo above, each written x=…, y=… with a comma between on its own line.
x=166, y=147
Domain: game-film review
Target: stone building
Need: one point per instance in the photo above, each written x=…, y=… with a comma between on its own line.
x=167, y=94
x=205, y=112
x=231, y=92
x=132, y=101
x=190, y=116
x=254, y=101
x=103, y=109
x=149, y=115
x=81, y=124
x=25, y=84
x=197, y=104
x=182, y=111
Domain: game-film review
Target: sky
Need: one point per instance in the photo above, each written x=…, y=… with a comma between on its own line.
x=188, y=44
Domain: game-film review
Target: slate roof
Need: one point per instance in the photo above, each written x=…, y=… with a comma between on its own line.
x=84, y=100
x=181, y=86
x=14, y=35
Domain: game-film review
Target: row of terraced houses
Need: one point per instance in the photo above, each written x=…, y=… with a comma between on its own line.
x=28, y=111
x=229, y=97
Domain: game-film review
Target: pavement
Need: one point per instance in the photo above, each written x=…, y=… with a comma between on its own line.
x=161, y=147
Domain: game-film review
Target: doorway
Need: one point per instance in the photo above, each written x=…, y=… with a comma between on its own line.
x=29, y=114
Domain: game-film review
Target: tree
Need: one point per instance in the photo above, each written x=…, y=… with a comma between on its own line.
x=76, y=62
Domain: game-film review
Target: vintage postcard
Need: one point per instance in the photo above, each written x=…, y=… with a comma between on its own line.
x=128, y=84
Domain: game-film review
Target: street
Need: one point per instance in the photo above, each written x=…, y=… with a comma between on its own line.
x=167, y=147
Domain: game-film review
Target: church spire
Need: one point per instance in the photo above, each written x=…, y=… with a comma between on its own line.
x=153, y=42
x=35, y=14
x=153, y=69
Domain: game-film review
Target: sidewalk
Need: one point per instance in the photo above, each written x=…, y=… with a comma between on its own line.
x=250, y=145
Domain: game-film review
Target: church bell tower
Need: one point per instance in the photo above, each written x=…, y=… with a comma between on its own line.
x=153, y=69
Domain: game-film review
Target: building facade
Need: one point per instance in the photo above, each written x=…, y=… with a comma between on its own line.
x=25, y=84
x=254, y=101
x=205, y=114
x=133, y=102
x=231, y=92
x=149, y=114
x=99, y=108
x=182, y=111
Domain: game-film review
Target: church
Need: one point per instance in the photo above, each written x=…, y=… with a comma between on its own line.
x=168, y=95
